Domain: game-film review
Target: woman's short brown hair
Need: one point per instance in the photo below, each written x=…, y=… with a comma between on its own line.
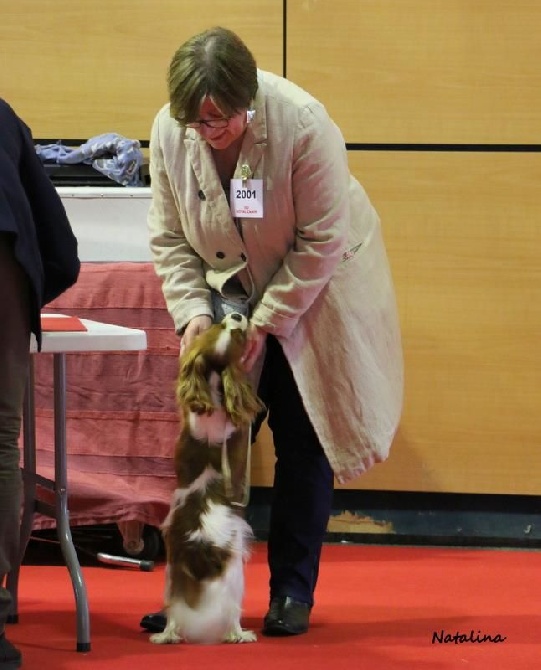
x=214, y=63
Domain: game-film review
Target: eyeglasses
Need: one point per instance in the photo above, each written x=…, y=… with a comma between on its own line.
x=210, y=123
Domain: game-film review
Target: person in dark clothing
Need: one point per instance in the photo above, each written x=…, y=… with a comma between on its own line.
x=38, y=261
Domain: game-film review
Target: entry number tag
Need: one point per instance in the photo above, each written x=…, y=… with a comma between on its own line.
x=247, y=198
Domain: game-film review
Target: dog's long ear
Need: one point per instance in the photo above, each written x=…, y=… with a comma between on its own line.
x=241, y=403
x=193, y=391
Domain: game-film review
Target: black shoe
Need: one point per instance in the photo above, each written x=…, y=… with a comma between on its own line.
x=10, y=656
x=286, y=616
x=154, y=623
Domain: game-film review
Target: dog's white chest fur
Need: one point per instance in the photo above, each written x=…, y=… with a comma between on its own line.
x=214, y=428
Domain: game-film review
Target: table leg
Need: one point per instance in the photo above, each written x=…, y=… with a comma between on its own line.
x=61, y=504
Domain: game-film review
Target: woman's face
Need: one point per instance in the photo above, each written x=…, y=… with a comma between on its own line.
x=219, y=138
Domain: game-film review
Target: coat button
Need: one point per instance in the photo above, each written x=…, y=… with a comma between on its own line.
x=243, y=257
x=201, y=195
x=220, y=254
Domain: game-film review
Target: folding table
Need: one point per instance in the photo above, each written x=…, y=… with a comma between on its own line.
x=97, y=337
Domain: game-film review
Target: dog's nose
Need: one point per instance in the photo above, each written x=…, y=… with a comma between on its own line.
x=236, y=316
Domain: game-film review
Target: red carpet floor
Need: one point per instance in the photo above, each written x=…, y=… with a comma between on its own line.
x=377, y=608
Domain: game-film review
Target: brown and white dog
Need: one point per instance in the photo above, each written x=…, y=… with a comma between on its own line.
x=205, y=536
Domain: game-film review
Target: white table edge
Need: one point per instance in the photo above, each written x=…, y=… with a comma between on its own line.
x=98, y=337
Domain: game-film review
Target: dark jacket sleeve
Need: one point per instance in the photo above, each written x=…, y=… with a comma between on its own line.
x=57, y=243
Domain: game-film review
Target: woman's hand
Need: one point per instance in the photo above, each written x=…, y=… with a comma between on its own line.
x=254, y=346
x=196, y=326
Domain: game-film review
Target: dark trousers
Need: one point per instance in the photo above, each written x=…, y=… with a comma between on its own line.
x=303, y=484
x=14, y=354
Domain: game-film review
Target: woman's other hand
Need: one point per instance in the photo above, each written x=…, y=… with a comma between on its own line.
x=196, y=326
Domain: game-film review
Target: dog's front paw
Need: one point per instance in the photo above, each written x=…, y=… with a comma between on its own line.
x=167, y=637
x=240, y=636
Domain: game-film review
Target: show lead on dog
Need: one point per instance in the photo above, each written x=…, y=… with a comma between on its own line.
x=253, y=202
x=38, y=261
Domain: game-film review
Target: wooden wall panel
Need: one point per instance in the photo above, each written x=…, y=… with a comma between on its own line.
x=78, y=69
x=421, y=71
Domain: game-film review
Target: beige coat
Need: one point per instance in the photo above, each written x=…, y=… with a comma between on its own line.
x=316, y=263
